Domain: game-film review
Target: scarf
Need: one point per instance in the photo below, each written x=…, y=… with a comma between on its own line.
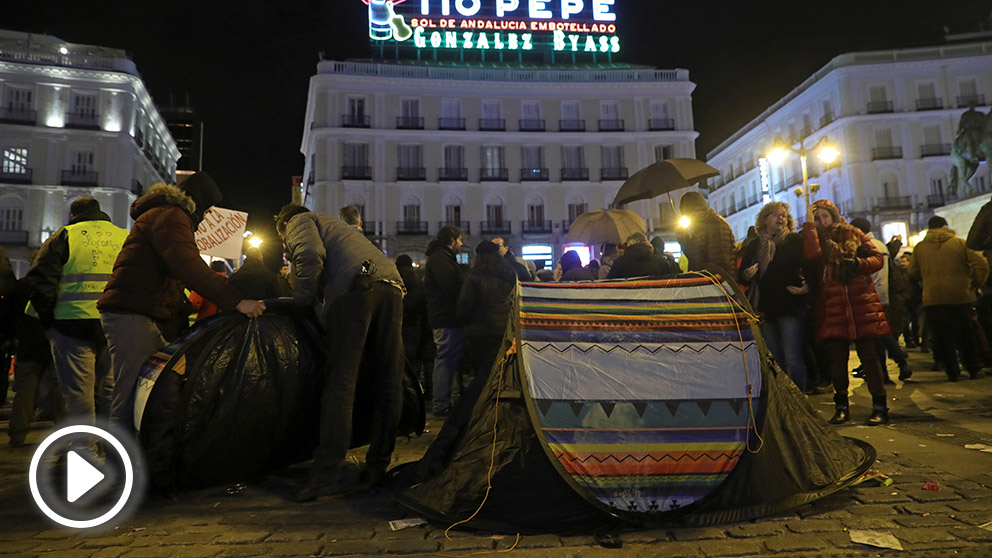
x=838, y=242
x=766, y=253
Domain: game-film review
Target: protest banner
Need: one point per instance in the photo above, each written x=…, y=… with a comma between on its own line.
x=221, y=232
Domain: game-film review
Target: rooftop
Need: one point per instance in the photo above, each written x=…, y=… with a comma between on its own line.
x=480, y=71
x=46, y=50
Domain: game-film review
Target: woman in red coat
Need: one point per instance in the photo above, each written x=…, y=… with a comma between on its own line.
x=847, y=307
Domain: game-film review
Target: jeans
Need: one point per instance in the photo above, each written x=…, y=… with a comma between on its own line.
x=953, y=332
x=362, y=323
x=450, y=344
x=83, y=369
x=867, y=349
x=784, y=337
x=131, y=339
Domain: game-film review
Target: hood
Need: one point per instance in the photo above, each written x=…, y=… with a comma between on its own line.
x=436, y=246
x=204, y=192
x=90, y=216
x=639, y=252
x=938, y=236
x=162, y=194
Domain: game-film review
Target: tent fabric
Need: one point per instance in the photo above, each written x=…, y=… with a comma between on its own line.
x=635, y=402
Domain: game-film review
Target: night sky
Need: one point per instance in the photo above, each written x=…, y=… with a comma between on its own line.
x=246, y=65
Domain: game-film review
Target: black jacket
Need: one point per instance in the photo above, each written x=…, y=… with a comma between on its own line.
x=640, y=260
x=443, y=279
x=254, y=280
x=788, y=267
x=482, y=305
x=415, y=301
x=523, y=274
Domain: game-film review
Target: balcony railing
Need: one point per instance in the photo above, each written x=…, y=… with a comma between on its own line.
x=410, y=122
x=753, y=200
x=806, y=131
x=938, y=200
x=465, y=226
x=531, y=125
x=965, y=101
x=611, y=173
x=137, y=188
x=356, y=121
x=370, y=228
x=533, y=173
x=894, y=202
x=574, y=173
x=492, y=124
x=935, y=103
x=878, y=107
x=84, y=120
x=14, y=238
x=356, y=173
x=139, y=138
x=535, y=227
x=610, y=125
x=565, y=225
x=79, y=178
x=23, y=177
x=18, y=116
x=411, y=173
x=935, y=149
x=886, y=153
x=661, y=124
x=411, y=227
x=445, y=173
x=495, y=227
x=572, y=125
x=487, y=174
x=451, y=123
x=826, y=119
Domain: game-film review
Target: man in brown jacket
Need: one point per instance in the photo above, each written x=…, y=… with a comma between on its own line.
x=159, y=258
x=708, y=239
x=951, y=273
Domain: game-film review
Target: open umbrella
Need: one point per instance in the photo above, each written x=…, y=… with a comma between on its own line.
x=662, y=177
x=605, y=225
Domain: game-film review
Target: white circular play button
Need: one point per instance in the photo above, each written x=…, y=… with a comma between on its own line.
x=78, y=485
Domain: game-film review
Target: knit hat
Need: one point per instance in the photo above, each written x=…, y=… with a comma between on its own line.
x=204, y=192
x=829, y=206
x=404, y=260
x=486, y=247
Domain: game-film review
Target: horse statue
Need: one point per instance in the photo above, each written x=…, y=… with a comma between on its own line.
x=972, y=145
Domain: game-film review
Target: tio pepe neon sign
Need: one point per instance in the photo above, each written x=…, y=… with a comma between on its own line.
x=563, y=25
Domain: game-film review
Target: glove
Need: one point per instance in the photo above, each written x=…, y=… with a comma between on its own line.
x=848, y=269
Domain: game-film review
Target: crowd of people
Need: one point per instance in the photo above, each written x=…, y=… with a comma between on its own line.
x=97, y=299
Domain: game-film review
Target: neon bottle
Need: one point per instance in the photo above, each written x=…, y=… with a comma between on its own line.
x=379, y=29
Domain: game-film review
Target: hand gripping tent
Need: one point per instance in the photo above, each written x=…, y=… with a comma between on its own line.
x=636, y=402
x=234, y=398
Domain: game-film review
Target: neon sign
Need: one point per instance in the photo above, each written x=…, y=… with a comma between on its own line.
x=577, y=26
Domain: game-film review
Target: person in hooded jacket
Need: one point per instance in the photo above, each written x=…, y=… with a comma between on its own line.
x=570, y=268
x=641, y=260
x=256, y=280
x=443, y=279
x=708, y=239
x=158, y=259
x=847, y=307
x=483, y=309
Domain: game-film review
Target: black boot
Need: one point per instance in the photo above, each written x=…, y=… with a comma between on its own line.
x=842, y=412
x=879, y=411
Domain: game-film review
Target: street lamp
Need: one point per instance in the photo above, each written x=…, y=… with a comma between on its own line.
x=825, y=151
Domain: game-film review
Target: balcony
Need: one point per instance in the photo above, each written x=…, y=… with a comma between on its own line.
x=356, y=121
x=450, y=123
x=445, y=173
x=965, y=101
x=14, y=238
x=79, y=178
x=137, y=188
x=139, y=138
x=370, y=227
x=495, y=227
x=661, y=124
x=411, y=227
x=572, y=125
x=533, y=173
x=935, y=149
x=826, y=119
x=311, y=179
x=930, y=104
x=492, y=124
x=894, y=203
x=880, y=107
x=878, y=153
x=611, y=173
x=356, y=173
x=18, y=116
x=938, y=200
x=411, y=173
x=465, y=226
x=531, y=125
x=565, y=225
x=22, y=177
x=487, y=174
x=610, y=125
x=535, y=227
x=82, y=120
x=410, y=122
x=806, y=131
x=574, y=174
x=753, y=200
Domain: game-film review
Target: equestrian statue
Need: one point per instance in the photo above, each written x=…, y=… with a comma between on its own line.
x=972, y=145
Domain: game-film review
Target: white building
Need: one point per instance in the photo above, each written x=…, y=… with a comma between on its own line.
x=75, y=121
x=892, y=114
x=498, y=150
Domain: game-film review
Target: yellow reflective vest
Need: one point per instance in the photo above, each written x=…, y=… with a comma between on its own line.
x=93, y=249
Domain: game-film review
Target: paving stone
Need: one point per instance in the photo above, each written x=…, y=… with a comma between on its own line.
x=924, y=535
x=933, y=520
x=929, y=509
x=337, y=548
x=409, y=534
x=582, y=540
x=467, y=544
x=647, y=537
x=187, y=539
x=350, y=533
x=868, y=522
x=104, y=542
x=890, y=497
x=972, y=518
x=52, y=534
x=150, y=552
x=814, y=525
x=971, y=505
x=729, y=547
x=247, y=537
x=294, y=536
x=872, y=509
x=110, y=552
x=398, y=548
x=749, y=530
x=924, y=496
x=248, y=550
x=703, y=533
x=668, y=550
x=53, y=545
x=951, y=547
x=298, y=548
x=972, y=534
x=9, y=547
x=974, y=493
x=793, y=543
x=204, y=551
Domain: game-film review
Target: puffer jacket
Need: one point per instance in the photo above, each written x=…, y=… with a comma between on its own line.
x=709, y=240
x=846, y=311
x=482, y=305
x=159, y=258
x=950, y=270
x=640, y=260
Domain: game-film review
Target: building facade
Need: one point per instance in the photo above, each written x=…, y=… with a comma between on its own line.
x=75, y=120
x=893, y=116
x=497, y=150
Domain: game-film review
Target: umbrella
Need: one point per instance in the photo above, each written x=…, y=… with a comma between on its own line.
x=605, y=225
x=662, y=177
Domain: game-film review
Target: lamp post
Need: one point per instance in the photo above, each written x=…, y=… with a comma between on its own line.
x=826, y=152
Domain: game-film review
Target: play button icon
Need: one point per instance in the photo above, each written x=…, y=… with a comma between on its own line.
x=81, y=477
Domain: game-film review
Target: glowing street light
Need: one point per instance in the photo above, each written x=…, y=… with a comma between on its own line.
x=684, y=222
x=825, y=151
x=255, y=242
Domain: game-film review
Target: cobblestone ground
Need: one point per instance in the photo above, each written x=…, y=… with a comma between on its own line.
x=933, y=421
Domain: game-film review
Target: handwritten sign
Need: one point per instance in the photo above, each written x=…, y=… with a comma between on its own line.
x=221, y=232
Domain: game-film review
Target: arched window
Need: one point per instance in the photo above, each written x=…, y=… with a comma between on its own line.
x=494, y=210
x=535, y=210
x=576, y=207
x=411, y=210
x=11, y=214
x=453, y=211
x=889, y=185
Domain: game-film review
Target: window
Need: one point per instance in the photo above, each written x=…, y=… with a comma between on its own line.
x=531, y=110
x=572, y=157
x=411, y=156
x=570, y=111
x=535, y=211
x=356, y=155
x=17, y=99
x=926, y=90
x=612, y=157
x=968, y=87
x=356, y=108
x=411, y=210
x=931, y=135
x=84, y=104
x=15, y=160
x=11, y=214
x=937, y=186
x=453, y=211
x=660, y=120
x=883, y=138
x=662, y=152
x=490, y=110
x=82, y=162
x=358, y=202
x=492, y=157
x=828, y=112
x=451, y=108
x=454, y=157
x=532, y=157
x=877, y=94
x=494, y=211
x=609, y=110
x=410, y=108
x=576, y=207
